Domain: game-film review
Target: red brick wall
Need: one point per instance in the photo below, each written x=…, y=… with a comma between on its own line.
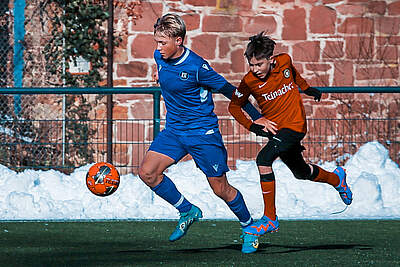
x=332, y=43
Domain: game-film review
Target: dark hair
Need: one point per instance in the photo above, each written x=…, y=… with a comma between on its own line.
x=260, y=46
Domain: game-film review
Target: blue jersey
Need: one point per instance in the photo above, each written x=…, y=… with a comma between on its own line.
x=184, y=85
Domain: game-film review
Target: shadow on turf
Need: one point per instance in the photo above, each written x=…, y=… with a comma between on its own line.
x=263, y=248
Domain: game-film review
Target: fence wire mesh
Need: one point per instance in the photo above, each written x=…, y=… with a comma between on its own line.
x=51, y=142
x=34, y=128
x=51, y=132
x=24, y=27
x=5, y=44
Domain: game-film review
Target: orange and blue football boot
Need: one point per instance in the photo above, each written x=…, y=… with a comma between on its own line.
x=185, y=221
x=255, y=230
x=250, y=242
x=263, y=226
x=343, y=188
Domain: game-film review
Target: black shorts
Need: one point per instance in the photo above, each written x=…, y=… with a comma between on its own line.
x=286, y=142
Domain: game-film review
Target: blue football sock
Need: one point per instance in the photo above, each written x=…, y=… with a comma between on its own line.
x=238, y=207
x=168, y=191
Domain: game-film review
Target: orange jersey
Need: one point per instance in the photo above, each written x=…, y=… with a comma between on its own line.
x=278, y=96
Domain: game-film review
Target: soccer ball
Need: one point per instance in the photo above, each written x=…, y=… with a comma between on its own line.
x=102, y=179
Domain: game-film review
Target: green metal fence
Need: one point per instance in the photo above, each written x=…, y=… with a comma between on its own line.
x=44, y=136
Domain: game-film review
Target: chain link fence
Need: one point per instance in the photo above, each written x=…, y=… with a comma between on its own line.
x=5, y=45
x=23, y=33
x=42, y=136
x=67, y=144
x=34, y=128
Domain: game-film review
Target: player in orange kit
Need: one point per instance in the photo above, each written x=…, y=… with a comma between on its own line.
x=273, y=81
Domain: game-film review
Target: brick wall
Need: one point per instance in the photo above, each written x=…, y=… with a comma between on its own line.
x=332, y=43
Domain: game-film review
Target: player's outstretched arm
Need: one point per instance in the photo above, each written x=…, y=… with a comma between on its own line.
x=228, y=90
x=209, y=78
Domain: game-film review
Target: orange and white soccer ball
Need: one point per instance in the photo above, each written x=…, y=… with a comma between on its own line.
x=102, y=179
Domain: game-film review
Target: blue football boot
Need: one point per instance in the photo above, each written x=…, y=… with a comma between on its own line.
x=250, y=242
x=185, y=221
x=343, y=188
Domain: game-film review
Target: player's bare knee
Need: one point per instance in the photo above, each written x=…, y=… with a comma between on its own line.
x=218, y=191
x=218, y=188
x=226, y=194
x=222, y=189
x=147, y=176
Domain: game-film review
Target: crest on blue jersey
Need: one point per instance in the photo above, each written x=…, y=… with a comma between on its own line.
x=184, y=75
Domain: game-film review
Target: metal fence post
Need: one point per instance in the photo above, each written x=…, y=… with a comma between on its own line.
x=109, y=128
x=156, y=113
x=19, y=40
x=110, y=83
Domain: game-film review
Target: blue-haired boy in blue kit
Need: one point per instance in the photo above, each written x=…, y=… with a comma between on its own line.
x=186, y=82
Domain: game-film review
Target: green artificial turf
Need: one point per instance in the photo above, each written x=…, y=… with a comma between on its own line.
x=208, y=243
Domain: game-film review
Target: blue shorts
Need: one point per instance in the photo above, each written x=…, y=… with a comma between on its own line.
x=207, y=150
